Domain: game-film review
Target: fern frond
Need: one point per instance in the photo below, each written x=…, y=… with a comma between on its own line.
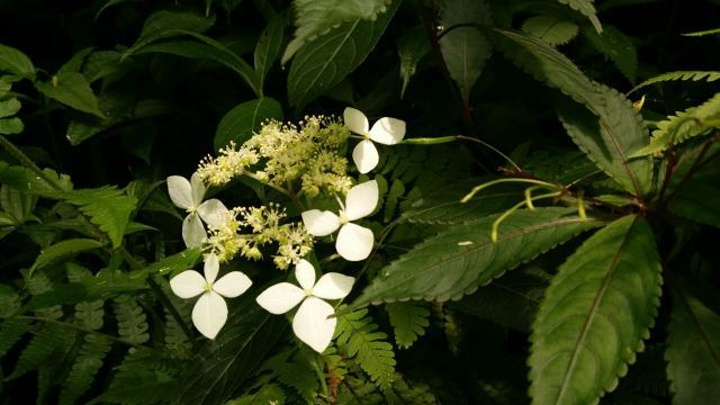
x=708, y=76
x=693, y=122
x=132, y=321
x=87, y=363
x=38, y=284
x=11, y=331
x=89, y=314
x=358, y=337
x=41, y=347
x=409, y=319
x=108, y=208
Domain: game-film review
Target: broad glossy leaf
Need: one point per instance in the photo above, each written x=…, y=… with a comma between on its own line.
x=693, y=352
x=323, y=63
x=221, y=366
x=73, y=90
x=317, y=17
x=586, y=8
x=465, y=49
x=457, y=261
x=63, y=250
x=16, y=62
x=239, y=123
x=595, y=315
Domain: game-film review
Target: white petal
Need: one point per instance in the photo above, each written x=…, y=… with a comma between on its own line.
x=365, y=156
x=212, y=266
x=320, y=223
x=361, y=200
x=232, y=284
x=333, y=286
x=305, y=274
x=280, y=298
x=356, y=120
x=193, y=231
x=180, y=191
x=388, y=131
x=312, y=324
x=214, y=213
x=198, y=189
x=209, y=314
x=354, y=242
x=187, y=284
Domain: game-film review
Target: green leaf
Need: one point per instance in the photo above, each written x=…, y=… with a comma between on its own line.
x=595, y=315
x=101, y=64
x=11, y=330
x=682, y=126
x=239, y=123
x=317, y=17
x=41, y=347
x=104, y=285
x=132, y=321
x=62, y=250
x=586, y=8
x=322, y=64
x=693, y=351
x=697, y=199
x=165, y=20
x=221, y=366
x=706, y=76
x=412, y=47
x=552, y=30
x=267, y=394
x=73, y=90
x=268, y=47
x=76, y=62
x=10, y=107
x=357, y=336
x=18, y=204
x=16, y=62
x=608, y=137
x=409, y=319
x=87, y=363
x=11, y=126
x=465, y=49
x=171, y=265
x=26, y=181
x=108, y=208
x=617, y=47
x=457, y=261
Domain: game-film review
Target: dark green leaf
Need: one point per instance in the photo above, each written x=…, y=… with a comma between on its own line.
x=323, y=63
x=550, y=29
x=63, y=250
x=165, y=20
x=11, y=126
x=412, y=47
x=16, y=62
x=268, y=47
x=409, y=320
x=586, y=8
x=698, y=199
x=595, y=315
x=76, y=62
x=108, y=208
x=239, y=123
x=73, y=90
x=617, y=47
x=457, y=261
x=24, y=180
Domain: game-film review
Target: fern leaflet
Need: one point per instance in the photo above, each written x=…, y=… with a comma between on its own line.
x=87, y=363
x=46, y=340
x=108, y=208
x=132, y=321
x=707, y=76
x=357, y=336
x=89, y=314
x=10, y=332
x=409, y=319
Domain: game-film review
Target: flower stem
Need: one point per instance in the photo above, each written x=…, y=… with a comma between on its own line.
x=483, y=186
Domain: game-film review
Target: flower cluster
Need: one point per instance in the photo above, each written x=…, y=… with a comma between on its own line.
x=283, y=157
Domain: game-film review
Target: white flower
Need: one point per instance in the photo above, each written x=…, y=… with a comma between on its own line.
x=312, y=323
x=188, y=195
x=386, y=130
x=210, y=311
x=354, y=242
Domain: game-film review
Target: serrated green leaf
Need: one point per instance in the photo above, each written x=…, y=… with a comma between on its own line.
x=457, y=261
x=239, y=123
x=63, y=250
x=87, y=363
x=108, y=208
x=586, y=8
x=73, y=90
x=596, y=314
x=551, y=29
x=614, y=129
x=322, y=64
x=45, y=341
x=268, y=47
x=16, y=203
x=409, y=320
x=617, y=47
x=412, y=47
x=465, y=49
x=693, y=351
x=706, y=76
x=317, y=17
x=11, y=330
x=165, y=20
x=221, y=366
x=26, y=181
x=131, y=319
x=16, y=62
x=396, y=191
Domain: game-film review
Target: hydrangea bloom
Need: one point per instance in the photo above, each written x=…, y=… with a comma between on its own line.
x=312, y=323
x=189, y=195
x=387, y=131
x=210, y=311
x=354, y=242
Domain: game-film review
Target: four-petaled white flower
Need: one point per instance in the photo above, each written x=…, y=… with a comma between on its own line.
x=386, y=130
x=189, y=195
x=210, y=311
x=312, y=323
x=354, y=242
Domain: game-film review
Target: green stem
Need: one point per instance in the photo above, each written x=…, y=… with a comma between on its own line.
x=26, y=161
x=278, y=188
x=494, y=149
x=483, y=186
x=496, y=224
